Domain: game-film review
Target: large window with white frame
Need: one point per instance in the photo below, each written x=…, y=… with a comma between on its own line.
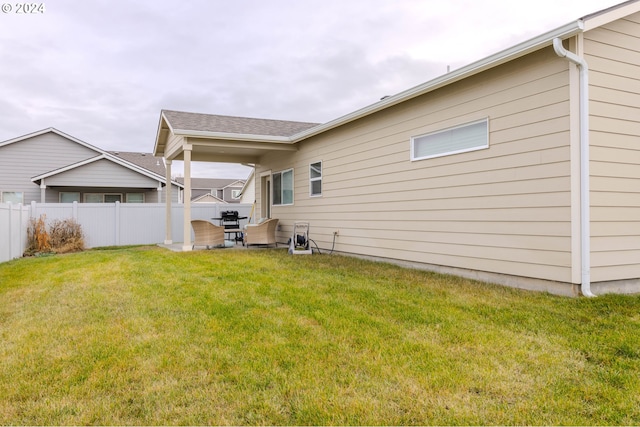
x=14, y=197
x=102, y=197
x=282, y=187
x=315, y=179
x=69, y=196
x=135, y=198
x=458, y=139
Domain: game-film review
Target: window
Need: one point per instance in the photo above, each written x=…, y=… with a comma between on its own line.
x=14, y=197
x=315, y=179
x=135, y=197
x=102, y=198
x=235, y=194
x=283, y=187
x=459, y=139
x=69, y=197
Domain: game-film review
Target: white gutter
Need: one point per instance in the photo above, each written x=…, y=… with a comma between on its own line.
x=585, y=222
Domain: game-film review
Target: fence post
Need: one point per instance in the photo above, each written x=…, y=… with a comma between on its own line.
x=117, y=223
x=33, y=209
x=10, y=230
x=75, y=210
x=21, y=233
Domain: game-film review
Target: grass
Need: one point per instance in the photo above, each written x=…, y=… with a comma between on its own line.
x=146, y=336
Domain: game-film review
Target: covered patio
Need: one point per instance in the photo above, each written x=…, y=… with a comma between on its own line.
x=194, y=137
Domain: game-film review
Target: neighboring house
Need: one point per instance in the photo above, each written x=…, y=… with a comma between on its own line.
x=50, y=166
x=227, y=190
x=482, y=172
x=248, y=192
x=207, y=198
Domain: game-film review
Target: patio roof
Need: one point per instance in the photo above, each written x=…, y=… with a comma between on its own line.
x=230, y=139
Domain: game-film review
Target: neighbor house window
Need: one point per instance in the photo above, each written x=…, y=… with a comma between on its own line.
x=283, y=187
x=458, y=139
x=102, y=198
x=69, y=197
x=235, y=194
x=315, y=179
x=135, y=197
x=14, y=197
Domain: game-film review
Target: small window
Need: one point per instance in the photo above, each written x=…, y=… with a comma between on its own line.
x=315, y=179
x=135, y=197
x=235, y=194
x=14, y=197
x=283, y=187
x=459, y=139
x=69, y=197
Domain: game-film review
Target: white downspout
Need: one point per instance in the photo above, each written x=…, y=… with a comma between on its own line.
x=585, y=221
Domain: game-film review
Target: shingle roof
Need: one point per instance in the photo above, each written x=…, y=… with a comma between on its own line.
x=145, y=160
x=236, y=125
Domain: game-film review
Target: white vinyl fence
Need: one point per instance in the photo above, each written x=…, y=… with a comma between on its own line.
x=13, y=230
x=113, y=224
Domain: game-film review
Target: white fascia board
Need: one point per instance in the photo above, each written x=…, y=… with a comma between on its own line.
x=501, y=57
x=611, y=14
x=232, y=136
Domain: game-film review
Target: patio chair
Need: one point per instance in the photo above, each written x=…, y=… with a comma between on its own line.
x=207, y=234
x=263, y=233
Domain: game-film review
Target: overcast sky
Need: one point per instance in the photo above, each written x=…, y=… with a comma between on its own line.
x=101, y=71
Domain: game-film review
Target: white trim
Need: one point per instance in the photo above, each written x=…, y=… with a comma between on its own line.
x=517, y=51
x=232, y=136
x=312, y=180
x=449, y=153
x=293, y=186
x=499, y=58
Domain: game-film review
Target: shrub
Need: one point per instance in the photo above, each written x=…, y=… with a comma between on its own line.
x=61, y=237
x=38, y=240
x=66, y=236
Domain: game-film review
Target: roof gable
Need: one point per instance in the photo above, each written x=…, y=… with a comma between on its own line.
x=105, y=156
x=51, y=130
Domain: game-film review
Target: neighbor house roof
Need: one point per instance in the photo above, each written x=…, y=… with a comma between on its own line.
x=145, y=160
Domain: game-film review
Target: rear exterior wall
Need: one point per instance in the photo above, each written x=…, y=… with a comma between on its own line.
x=613, y=54
x=505, y=209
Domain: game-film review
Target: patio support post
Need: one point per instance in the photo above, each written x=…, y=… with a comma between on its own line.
x=187, y=246
x=168, y=239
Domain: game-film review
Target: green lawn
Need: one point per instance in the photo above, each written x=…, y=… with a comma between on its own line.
x=147, y=336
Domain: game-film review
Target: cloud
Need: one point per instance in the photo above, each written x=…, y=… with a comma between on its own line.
x=102, y=70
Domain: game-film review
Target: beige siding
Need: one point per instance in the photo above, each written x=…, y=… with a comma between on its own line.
x=505, y=209
x=613, y=54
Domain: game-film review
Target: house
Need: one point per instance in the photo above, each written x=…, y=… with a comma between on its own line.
x=248, y=191
x=50, y=166
x=522, y=168
x=220, y=190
